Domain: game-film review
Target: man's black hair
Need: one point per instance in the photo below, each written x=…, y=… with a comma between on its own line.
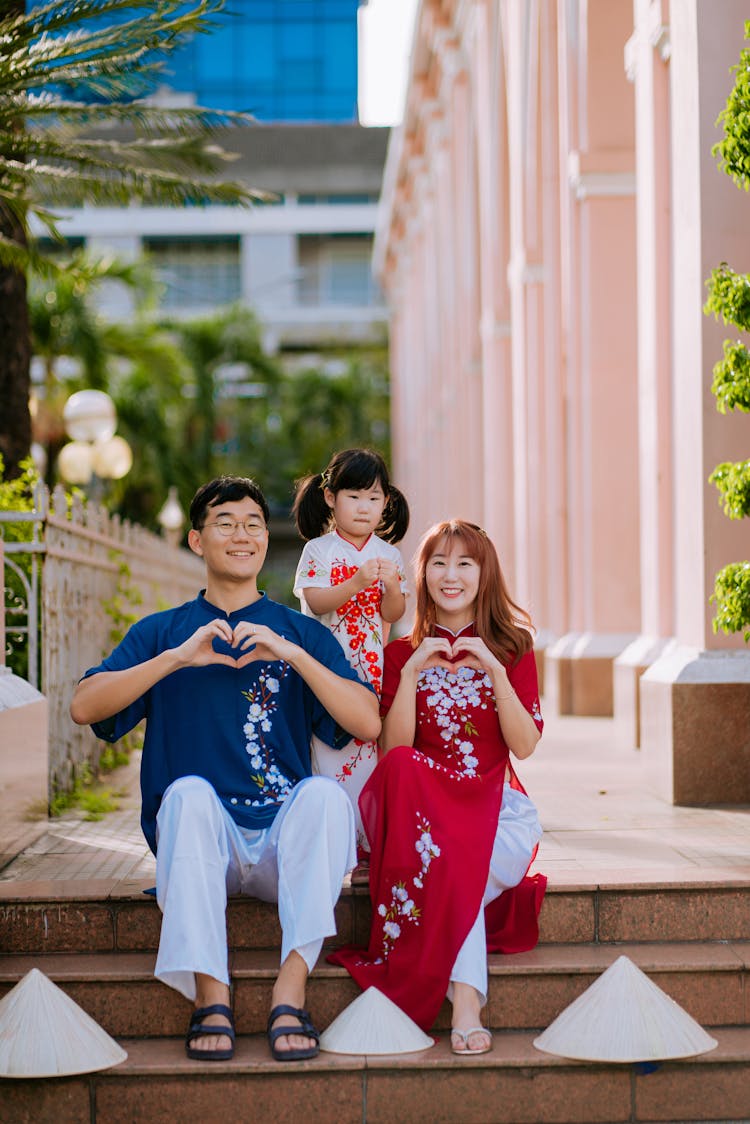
x=225, y=489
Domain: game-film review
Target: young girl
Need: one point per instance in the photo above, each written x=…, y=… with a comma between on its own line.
x=451, y=830
x=352, y=580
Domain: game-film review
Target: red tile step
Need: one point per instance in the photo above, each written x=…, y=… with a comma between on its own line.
x=71, y=921
x=514, y=1084
x=711, y=981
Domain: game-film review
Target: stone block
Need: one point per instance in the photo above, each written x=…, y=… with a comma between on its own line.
x=23, y=765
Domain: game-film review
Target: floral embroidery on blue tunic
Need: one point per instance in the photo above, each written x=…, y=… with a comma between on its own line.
x=271, y=783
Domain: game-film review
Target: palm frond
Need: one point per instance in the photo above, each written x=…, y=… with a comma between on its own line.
x=68, y=187
x=39, y=111
x=63, y=13
x=58, y=15
x=117, y=78
x=58, y=152
x=108, y=154
x=111, y=60
x=28, y=258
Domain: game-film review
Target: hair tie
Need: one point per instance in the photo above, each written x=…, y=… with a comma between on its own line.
x=324, y=477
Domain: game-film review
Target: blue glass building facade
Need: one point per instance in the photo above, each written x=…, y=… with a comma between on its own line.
x=281, y=60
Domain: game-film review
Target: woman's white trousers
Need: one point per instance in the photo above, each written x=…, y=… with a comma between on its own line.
x=518, y=832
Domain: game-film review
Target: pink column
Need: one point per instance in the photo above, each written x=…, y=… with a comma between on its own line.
x=647, y=55
x=695, y=698
x=600, y=332
x=465, y=408
x=495, y=430
x=534, y=270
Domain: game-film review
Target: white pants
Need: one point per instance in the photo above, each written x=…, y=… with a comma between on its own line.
x=361, y=761
x=202, y=855
x=518, y=832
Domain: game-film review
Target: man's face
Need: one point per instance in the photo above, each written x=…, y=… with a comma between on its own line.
x=233, y=540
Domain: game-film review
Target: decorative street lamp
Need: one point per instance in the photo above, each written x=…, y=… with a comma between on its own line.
x=112, y=459
x=90, y=415
x=74, y=462
x=171, y=517
x=95, y=453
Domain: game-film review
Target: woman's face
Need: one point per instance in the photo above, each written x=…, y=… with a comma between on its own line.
x=452, y=578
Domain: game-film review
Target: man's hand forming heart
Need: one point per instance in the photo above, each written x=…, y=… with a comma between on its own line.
x=249, y=642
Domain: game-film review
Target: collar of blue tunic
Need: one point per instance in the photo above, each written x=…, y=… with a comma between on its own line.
x=242, y=613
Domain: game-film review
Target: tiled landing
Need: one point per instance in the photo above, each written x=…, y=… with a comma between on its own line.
x=603, y=827
x=515, y=1084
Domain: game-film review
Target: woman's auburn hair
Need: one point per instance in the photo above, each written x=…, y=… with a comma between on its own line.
x=505, y=627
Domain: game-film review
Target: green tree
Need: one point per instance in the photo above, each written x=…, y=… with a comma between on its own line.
x=729, y=300
x=197, y=397
x=321, y=412
x=17, y=495
x=65, y=323
x=140, y=363
x=233, y=379
x=59, y=150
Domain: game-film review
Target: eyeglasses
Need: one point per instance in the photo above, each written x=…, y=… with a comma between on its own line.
x=227, y=527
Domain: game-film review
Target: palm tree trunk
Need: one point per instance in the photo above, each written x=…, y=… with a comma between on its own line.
x=15, y=344
x=15, y=358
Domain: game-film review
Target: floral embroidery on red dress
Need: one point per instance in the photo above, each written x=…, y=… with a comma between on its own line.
x=402, y=907
x=448, y=696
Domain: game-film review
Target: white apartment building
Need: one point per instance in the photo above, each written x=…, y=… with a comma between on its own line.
x=301, y=260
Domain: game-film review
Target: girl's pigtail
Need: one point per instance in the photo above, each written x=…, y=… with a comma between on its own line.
x=311, y=513
x=395, y=521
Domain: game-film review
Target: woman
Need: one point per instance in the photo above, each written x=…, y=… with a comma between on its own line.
x=450, y=827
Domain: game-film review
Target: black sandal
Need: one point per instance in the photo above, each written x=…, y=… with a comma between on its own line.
x=198, y=1029
x=307, y=1030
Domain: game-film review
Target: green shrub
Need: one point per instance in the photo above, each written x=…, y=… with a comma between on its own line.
x=732, y=599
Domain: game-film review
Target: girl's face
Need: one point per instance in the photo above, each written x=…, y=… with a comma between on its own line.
x=452, y=578
x=357, y=511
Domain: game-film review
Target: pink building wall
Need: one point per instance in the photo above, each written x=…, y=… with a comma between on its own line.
x=551, y=212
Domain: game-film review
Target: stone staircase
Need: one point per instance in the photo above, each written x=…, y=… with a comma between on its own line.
x=693, y=940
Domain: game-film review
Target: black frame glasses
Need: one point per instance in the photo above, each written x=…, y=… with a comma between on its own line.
x=227, y=527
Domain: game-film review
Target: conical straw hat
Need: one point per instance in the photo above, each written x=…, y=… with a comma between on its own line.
x=624, y=1017
x=372, y=1024
x=43, y=1033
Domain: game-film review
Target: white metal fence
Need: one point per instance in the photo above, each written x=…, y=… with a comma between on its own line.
x=96, y=575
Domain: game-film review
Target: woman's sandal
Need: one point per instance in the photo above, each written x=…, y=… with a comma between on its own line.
x=465, y=1035
x=307, y=1030
x=199, y=1029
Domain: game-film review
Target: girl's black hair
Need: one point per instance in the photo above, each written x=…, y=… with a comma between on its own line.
x=351, y=468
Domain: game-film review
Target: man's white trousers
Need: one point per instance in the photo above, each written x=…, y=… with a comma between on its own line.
x=202, y=856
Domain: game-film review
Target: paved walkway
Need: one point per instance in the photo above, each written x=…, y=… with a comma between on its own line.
x=603, y=827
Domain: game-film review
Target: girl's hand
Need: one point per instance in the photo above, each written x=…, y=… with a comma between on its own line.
x=388, y=572
x=368, y=573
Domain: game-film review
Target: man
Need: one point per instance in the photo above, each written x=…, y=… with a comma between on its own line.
x=232, y=686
